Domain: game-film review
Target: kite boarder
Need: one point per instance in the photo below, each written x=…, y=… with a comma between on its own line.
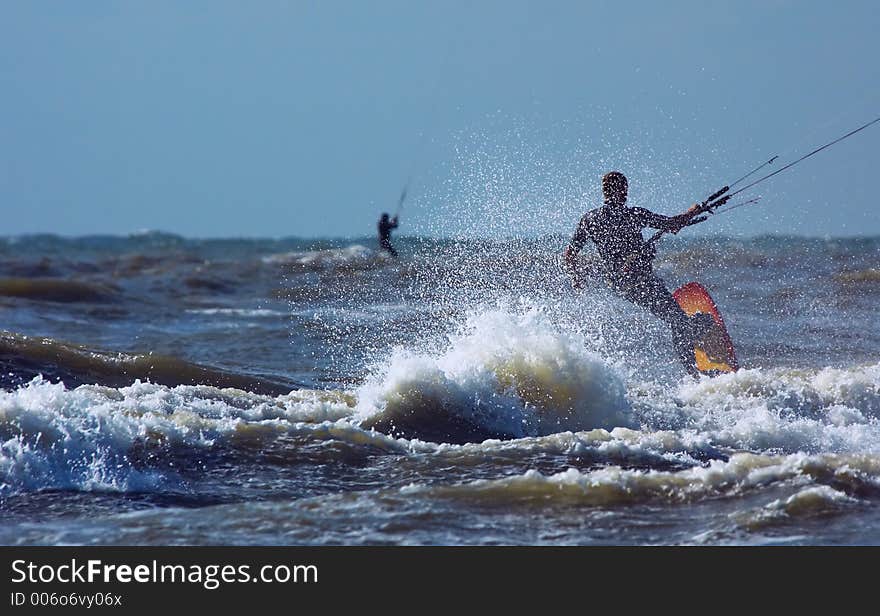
x=626, y=261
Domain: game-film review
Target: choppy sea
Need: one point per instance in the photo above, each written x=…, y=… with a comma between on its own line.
x=162, y=390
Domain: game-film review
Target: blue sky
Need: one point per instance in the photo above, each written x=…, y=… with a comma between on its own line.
x=307, y=118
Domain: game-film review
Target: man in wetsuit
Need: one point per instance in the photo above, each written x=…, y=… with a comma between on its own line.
x=626, y=260
x=385, y=225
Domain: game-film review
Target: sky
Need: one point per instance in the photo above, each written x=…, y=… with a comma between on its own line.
x=276, y=119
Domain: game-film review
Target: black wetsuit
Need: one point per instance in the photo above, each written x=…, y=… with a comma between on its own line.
x=385, y=227
x=627, y=267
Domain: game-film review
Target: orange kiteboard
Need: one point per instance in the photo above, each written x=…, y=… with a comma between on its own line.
x=714, y=350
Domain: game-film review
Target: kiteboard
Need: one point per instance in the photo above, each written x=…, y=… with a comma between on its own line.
x=713, y=352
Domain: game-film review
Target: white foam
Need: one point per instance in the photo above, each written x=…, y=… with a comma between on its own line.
x=330, y=257
x=613, y=485
x=600, y=445
x=827, y=410
x=812, y=501
x=368, y=315
x=238, y=312
x=86, y=438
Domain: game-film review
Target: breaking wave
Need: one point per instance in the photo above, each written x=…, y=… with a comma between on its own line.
x=98, y=438
x=503, y=376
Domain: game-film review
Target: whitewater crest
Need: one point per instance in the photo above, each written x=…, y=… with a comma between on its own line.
x=504, y=375
x=785, y=409
x=98, y=438
x=822, y=478
x=355, y=255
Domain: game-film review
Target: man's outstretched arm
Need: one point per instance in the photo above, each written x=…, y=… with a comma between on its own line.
x=673, y=224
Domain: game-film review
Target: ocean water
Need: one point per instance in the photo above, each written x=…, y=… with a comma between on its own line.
x=163, y=390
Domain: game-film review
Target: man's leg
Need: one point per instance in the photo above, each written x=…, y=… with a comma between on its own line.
x=385, y=245
x=651, y=292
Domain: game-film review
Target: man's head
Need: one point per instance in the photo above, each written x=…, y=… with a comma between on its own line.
x=384, y=216
x=614, y=187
